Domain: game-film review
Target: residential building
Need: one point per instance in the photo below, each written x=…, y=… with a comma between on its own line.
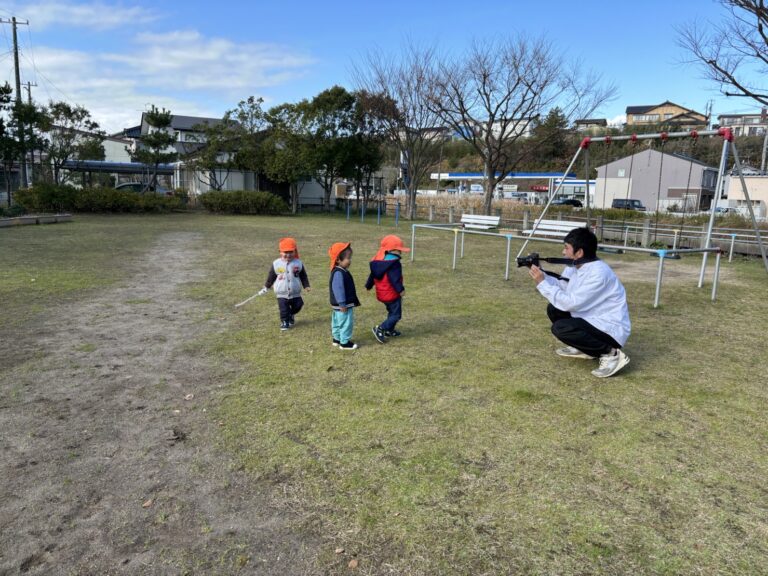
x=667, y=115
x=754, y=124
x=679, y=184
x=757, y=187
x=591, y=125
x=185, y=129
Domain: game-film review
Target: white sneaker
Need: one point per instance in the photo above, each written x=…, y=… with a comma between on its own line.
x=571, y=352
x=610, y=364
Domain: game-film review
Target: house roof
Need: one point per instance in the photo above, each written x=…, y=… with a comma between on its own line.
x=751, y=115
x=598, y=121
x=683, y=157
x=189, y=122
x=640, y=109
x=183, y=123
x=132, y=132
x=644, y=109
x=686, y=118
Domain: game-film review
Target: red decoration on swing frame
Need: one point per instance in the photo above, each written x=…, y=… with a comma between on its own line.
x=726, y=134
x=585, y=142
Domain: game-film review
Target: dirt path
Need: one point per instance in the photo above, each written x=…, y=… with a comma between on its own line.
x=108, y=461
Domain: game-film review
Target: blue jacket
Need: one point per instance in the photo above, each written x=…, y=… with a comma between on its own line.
x=387, y=276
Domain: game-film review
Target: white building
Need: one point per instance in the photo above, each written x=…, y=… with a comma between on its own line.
x=754, y=124
x=757, y=187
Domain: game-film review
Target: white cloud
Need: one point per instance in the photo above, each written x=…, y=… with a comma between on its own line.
x=619, y=120
x=184, y=59
x=92, y=15
x=183, y=71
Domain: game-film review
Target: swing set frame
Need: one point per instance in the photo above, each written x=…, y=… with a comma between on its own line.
x=729, y=146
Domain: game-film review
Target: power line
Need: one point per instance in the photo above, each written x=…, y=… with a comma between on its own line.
x=49, y=81
x=31, y=49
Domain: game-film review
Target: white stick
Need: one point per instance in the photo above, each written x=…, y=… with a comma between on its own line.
x=247, y=300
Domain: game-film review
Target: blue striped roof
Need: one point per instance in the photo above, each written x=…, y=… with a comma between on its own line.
x=452, y=175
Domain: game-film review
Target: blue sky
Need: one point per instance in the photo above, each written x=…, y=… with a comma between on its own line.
x=201, y=58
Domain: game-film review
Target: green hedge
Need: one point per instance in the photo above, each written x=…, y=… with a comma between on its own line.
x=243, y=202
x=51, y=198
x=12, y=212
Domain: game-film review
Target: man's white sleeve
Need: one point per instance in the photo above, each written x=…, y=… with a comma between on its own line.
x=573, y=298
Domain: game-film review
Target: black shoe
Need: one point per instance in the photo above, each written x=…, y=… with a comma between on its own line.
x=392, y=333
x=291, y=320
x=284, y=325
x=379, y=334
x=336, y=342
x=348, y=346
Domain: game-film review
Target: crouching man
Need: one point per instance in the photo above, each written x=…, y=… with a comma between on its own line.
x=589, y=311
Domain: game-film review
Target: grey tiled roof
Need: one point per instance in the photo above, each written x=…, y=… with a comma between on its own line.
x=188, y=122
x=640, y=109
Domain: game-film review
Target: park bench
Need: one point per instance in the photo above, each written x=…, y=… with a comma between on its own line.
x=559, y=228
x=479, y=222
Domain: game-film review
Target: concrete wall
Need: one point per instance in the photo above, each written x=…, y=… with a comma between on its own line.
x=644, y=183
x=114, y=151
x=757, y=187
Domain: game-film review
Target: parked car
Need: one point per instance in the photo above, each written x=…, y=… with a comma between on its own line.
x=140, y=188
x=629, y=204
x=567, y=202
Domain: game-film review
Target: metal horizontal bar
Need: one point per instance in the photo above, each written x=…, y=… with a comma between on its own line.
x=654, y=136
x=559, y=241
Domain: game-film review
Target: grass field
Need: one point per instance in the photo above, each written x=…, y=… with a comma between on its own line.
x=466, y=446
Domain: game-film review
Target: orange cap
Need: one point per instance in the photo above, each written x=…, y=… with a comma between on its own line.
x=389, y=243
x=289, y=245
x=336, y=249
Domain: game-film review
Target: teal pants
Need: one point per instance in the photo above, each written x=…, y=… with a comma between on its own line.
x=342, y=324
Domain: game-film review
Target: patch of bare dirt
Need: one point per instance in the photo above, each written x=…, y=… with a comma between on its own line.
x=109, y=461
x=683, y=271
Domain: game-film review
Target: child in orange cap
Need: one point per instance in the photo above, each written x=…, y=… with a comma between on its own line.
x=288, y=276
x=343, y=296
x=387, y=276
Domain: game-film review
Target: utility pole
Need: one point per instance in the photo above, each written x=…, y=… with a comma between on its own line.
x=28, y=87
x=23, y=160
x=30, y=169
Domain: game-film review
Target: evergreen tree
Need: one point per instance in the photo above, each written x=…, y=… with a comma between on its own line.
x=156, y=146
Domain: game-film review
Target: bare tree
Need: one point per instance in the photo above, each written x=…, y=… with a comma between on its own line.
x=398, y=92
x=734, y=52
x=492, y=94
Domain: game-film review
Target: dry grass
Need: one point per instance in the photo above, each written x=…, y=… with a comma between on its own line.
x=467, y=446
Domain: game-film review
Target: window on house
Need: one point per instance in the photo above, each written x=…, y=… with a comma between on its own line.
x=668, y=116
x=646, y=117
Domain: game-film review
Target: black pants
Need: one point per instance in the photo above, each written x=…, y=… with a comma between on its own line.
x=579, y=333
x=289, y=307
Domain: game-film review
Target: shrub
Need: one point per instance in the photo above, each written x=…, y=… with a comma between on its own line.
x=12, y=212
x=243, y=202
x=51, y=198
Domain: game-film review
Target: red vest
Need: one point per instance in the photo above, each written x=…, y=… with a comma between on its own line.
x=384, y=290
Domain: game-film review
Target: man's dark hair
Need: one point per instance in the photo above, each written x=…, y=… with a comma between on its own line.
x=582, y=239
